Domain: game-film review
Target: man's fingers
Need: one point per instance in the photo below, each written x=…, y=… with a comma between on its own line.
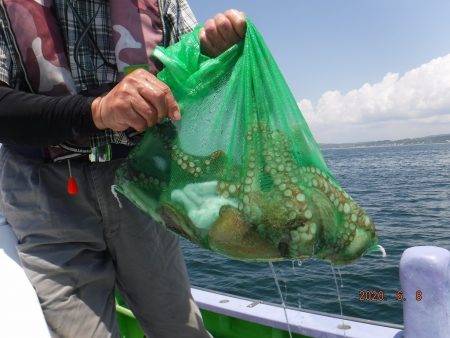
x=174, y=110
x=136, y=121
x=222, y=32
x=238, y=22
x=145, y=109
x=207, y=46
x=226, y=30
x=158, y=95
x=214, y=37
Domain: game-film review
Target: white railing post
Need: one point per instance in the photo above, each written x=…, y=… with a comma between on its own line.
x=425, y=282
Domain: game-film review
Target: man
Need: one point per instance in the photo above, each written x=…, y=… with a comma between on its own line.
x=77, y=247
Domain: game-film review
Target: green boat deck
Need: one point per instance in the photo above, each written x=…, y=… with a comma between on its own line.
x=220, y=326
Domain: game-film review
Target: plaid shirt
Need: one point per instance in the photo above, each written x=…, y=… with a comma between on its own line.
x=92, y=68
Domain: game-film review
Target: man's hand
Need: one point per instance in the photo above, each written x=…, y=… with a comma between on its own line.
x=221, y=32
x=139, y=101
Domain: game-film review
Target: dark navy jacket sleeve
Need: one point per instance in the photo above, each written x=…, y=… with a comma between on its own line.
x=38, y=120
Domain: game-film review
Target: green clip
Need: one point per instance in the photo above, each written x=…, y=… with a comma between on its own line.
x=128, y=69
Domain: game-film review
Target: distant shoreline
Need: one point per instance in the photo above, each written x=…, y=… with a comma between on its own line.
x=433, y=139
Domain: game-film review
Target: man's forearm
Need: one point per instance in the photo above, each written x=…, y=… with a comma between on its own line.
x=38, y=120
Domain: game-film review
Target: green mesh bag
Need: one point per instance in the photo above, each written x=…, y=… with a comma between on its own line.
x=241, y=174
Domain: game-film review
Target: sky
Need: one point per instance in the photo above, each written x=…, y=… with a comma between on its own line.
x=360, y=70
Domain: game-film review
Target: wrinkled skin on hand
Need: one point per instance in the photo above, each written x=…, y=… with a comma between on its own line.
x=138, y=101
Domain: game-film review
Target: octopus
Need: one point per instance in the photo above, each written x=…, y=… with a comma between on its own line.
x=300, y=210
x=270, y=205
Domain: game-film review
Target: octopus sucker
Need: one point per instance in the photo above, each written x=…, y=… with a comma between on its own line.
x=193, y=165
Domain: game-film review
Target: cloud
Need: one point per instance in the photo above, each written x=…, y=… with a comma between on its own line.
x=396, y=107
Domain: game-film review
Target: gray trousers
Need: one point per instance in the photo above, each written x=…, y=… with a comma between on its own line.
x=77, y=248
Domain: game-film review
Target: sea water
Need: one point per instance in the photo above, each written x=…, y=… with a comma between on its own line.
x=405, y=190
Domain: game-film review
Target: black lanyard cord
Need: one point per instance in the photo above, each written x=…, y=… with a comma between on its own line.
x=86, y=33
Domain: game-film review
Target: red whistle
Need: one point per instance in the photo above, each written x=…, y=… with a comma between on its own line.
x=72, y=187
